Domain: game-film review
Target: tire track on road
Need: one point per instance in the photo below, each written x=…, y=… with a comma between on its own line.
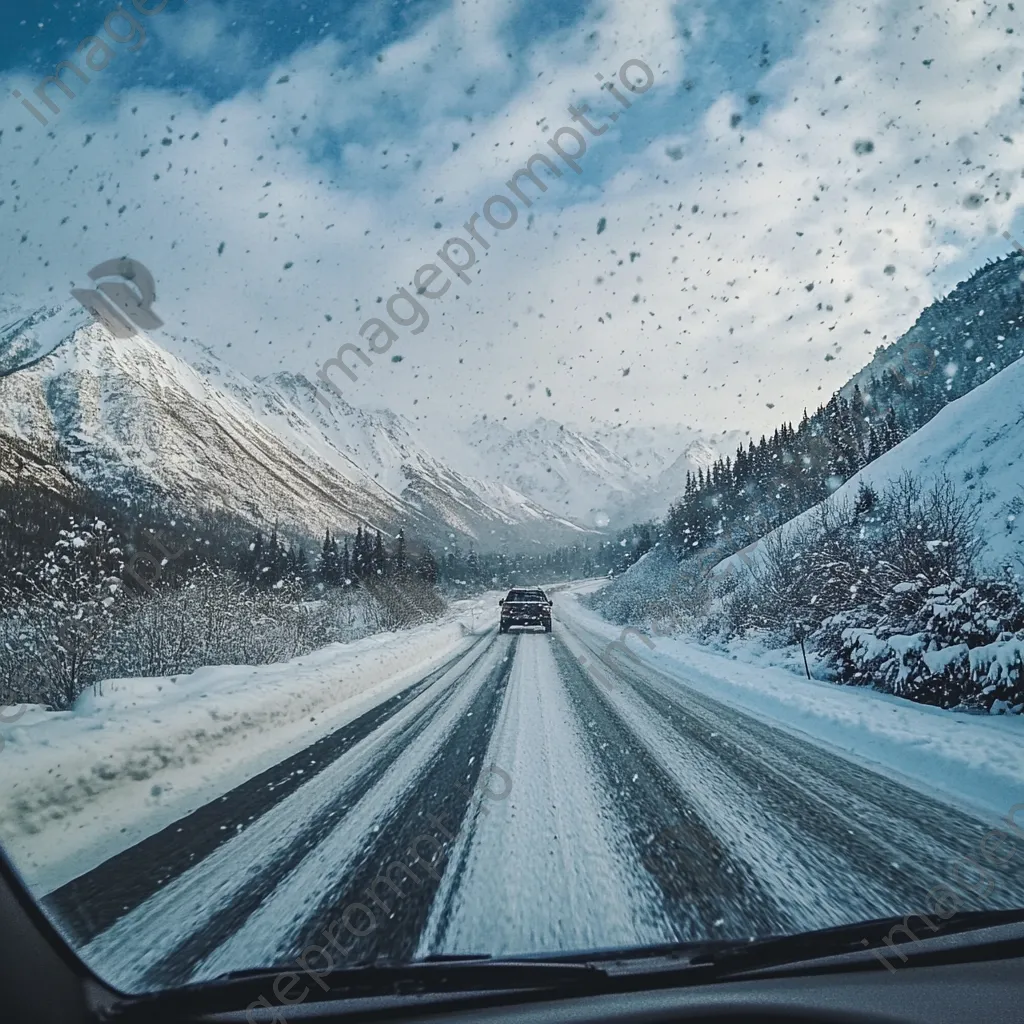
x=707, y=891
x=870, y=845
x=443, y=794
x=188, y=918
x=94, y=901
x=549, y=869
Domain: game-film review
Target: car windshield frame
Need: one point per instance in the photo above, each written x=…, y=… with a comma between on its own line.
x=711, y=318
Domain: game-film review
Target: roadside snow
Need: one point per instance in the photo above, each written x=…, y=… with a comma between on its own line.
x=138, y=754
x=975, y=760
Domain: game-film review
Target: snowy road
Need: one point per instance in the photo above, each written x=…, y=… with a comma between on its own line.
x=638, y=810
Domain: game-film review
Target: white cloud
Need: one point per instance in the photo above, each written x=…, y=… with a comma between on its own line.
x=722, y=323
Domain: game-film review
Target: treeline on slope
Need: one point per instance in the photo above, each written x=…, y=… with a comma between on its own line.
x=457, y=569
x=464, y=569
x=956, y=344
x=886, y=588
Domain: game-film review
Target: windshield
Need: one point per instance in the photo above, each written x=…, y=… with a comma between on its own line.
x=327, y=328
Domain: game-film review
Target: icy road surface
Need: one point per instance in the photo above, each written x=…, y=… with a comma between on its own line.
x=624, y=808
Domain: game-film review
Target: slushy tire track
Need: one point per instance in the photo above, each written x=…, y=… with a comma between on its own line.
x=900, y=841
x=443, y=793
x=176, y=965
x=706, y=890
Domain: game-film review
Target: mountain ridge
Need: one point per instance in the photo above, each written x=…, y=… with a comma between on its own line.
x=203, y=434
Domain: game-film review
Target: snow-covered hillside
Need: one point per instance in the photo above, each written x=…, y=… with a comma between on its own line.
x=18, y=461
x=959, y=341
x=976, y=443
x=28, y=333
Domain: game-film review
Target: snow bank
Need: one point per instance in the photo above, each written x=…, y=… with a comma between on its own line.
x=135, y=755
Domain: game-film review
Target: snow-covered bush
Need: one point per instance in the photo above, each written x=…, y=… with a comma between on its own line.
x=776, y=593
x=884, y=587
x=75, y=625
x=217, y=618
x=58, y=621
x=956, y=645
x=658, y=591
x=998, y=668
x=400, y=602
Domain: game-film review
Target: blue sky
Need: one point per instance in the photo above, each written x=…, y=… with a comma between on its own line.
x=797, y=184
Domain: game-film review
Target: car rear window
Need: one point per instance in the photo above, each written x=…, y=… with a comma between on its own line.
x=526, y=595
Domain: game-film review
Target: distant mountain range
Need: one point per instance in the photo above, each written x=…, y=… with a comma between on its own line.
x=592, y=480
x=176, y=424
x=167, y=419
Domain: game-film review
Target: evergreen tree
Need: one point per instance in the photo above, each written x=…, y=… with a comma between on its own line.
x=399, y=558
x=327, y=569
x=252, y=562
x=866, y=499
x=426, y=568
x=360, y=561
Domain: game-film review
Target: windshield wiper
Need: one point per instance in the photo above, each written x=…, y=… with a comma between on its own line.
x=593, y=972
x=441, y=973
x=380, y=978
x=863, y=936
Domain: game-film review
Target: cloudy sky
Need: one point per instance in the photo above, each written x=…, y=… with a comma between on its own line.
x=797, y=183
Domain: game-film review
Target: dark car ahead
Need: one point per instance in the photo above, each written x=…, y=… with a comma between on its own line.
x=525, y=608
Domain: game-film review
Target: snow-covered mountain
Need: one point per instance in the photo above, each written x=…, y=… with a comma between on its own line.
x=28, y=334
x=171, y=418
x=553, y=464
x=136, y=418
x=603, y=477
x=389, y=449
x=958, y=342
x=663, y=455
x=20, y=462
x=655, y=450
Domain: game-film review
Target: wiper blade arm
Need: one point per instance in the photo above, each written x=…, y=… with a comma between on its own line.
x=853, y=938
x=441, y=973
x=584, y=973
x=372, y=980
